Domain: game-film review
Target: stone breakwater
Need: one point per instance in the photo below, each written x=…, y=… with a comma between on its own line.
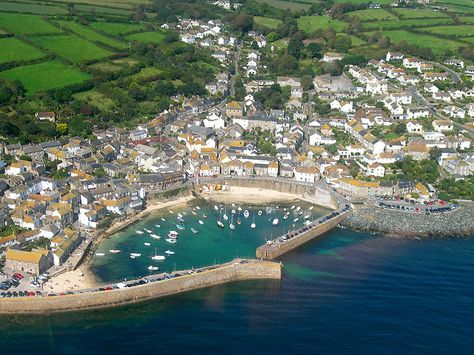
x=370, y=218
x=236, y=270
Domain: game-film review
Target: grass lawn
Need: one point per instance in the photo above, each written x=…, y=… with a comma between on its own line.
x=92, y=36
x=41, y=9
x=420, y=13
x=356, y=41
x=467, y=19
x=96, y=99
x=438, y=45
x=45, y=76
x=409, y=23
x=107, y=67
x=286, y=5
x=267, y=21
x=382, y=2
x=455, y=31
x=102, y=10
x=72, y=48
x=25, y=24
x=126, y=4
x=373, y=15
x=147, y=37
x=310, y=24
x=126, y=61
x=116, y=29
x=16, y=50
x=146, y=73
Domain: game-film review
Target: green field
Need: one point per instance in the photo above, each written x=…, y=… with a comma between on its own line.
x=438, y=45
x=454, y=31
x=45, y=76
x=146, y=73
x=41, y=9
x=373, y=15
x=72, y=48
x=96, y=99
x=464, y=10
x=456, y=2
x=102, y=10
x=116, y=29
x=126, y=4
x=107, y=67
x=16, y=50
x=286, y=5
x=310, y=24
x=382, y=2
x=267, y=21
x=402, y=24
x=91, y=35
x=356, y=41
x=423, y=13
x=25, y=24
x=147, y=37
x=467, y=19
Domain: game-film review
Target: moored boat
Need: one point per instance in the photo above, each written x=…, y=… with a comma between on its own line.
x=155, y=236
x=200, y=222
x=195, y=231
x=139, y=232
x=115, y=251
x=135, y=255
x=180, y=227
x=171, y=240
x=153, y=268
x=169, y=252
x=275, y=222
x=146, y=244
x=246, y=214
x=220, y=224
x=99, y=254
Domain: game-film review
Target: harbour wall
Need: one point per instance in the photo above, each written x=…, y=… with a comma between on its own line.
x=236, y=270
x=272, y=251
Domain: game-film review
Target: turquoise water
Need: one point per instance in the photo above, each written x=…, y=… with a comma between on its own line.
x=344, y=293
x=210, y=245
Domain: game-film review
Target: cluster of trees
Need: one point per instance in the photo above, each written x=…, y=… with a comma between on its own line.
x=273, y=97
x=462, y=189
x=425, y=170
x=263, y=138
x=168, y=10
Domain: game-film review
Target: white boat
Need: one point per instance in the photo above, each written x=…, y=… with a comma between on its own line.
x=181, y=219
x=225, y=217
x=180, y=215
x=311, y=208
x=195, y=231
x=260, y=212
x=293, y=207
x=296, y=219
x=139, y=232
x=146, y=244
x=132, y=257
x=169, y=252
x=158, y=257
x=170, y=211
x=115, y=251
x=307, y=222
x=253, y=225
x=163, y=219
x=173, y=234
x=307, y=216
x=239, y=209
x=155, y=236
x=233, y=211
x=200, y=222
x=275, y=222
x=198, y=208
x=216, y=208
x=148, y=230
x=204, y=216
x=180, y=227
x=285, y=216
x=153, y=268
x=298, y=208
x=99, y=254
x=135, y=255
x=233, y=205
x=157, y=226
x=171, y=240
x=231, y=224
x=220, y=224
x=246, y=214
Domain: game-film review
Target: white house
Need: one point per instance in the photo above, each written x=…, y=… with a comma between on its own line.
x=375, y=169
x=443, y=125
x=306, y=174
x=414, y=127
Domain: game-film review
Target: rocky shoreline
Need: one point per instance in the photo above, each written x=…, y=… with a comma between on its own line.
x=370, y=218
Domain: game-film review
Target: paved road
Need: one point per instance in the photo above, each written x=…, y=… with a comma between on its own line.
x=236, y=66
x=454, y=75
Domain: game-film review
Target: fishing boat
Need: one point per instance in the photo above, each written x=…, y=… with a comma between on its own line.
x=139, y=232
x=99, y=254
x=200, y=222
x=153, y=268
x=164, y=220
x=158, y=257
x=231, y=224
x=198, y=208
x=169, y=252
x=275, y=222
x=171, y=240
x=253, y=225
x=195, y=231
x=135, y=255
x=146, y=244
x=173, y=234
x=246, y=214
x=180, y=227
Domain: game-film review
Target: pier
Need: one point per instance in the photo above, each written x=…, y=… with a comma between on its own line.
x=153, y=286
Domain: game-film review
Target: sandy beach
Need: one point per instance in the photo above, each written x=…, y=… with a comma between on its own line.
x=238, y=194
x=78, y=279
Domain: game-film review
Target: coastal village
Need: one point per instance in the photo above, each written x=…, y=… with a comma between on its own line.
x=355, y=132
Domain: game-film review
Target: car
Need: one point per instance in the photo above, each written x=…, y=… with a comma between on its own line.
x=15, y=294
x=18, y=275
x=31, y=293
x=39, y=293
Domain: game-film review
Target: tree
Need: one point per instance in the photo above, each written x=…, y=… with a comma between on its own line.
x=400, y=128
x=342, y=44
x=313, y=50
x=61, y=128
x=295, y=46
x=307, y=82
x=242, y=23
x=435, y=153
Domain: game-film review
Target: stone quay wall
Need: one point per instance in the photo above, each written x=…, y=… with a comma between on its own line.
x=270, y=252
x=229, y=272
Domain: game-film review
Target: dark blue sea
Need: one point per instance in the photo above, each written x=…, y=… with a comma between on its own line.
x=346, y=293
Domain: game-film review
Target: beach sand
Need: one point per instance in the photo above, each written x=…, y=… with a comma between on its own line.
x=78, y=279
x=238, y=194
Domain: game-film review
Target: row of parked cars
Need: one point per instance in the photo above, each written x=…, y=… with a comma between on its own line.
x=426, y=210
x=12, y=281
x=9, y=294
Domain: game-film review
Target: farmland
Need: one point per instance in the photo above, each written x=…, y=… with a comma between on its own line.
x=147, y=37
x=126, y=4
x=286, y=5
x=25, y=24
x=45, y=76
x=467, y=19
x=310, y=24
x=454, y=31
x=81, y=51
x=267, y=21
x=15, y=50
x=91, y=35
x=116, y=29
x=438, y=46
x=356, y=41
x=147, y=73
x=96, y=99
x=373, y=15
x=41, y=9
x=424, y=13
x=409, y=23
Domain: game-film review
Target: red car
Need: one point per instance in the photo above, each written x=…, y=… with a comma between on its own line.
x=18, y=275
